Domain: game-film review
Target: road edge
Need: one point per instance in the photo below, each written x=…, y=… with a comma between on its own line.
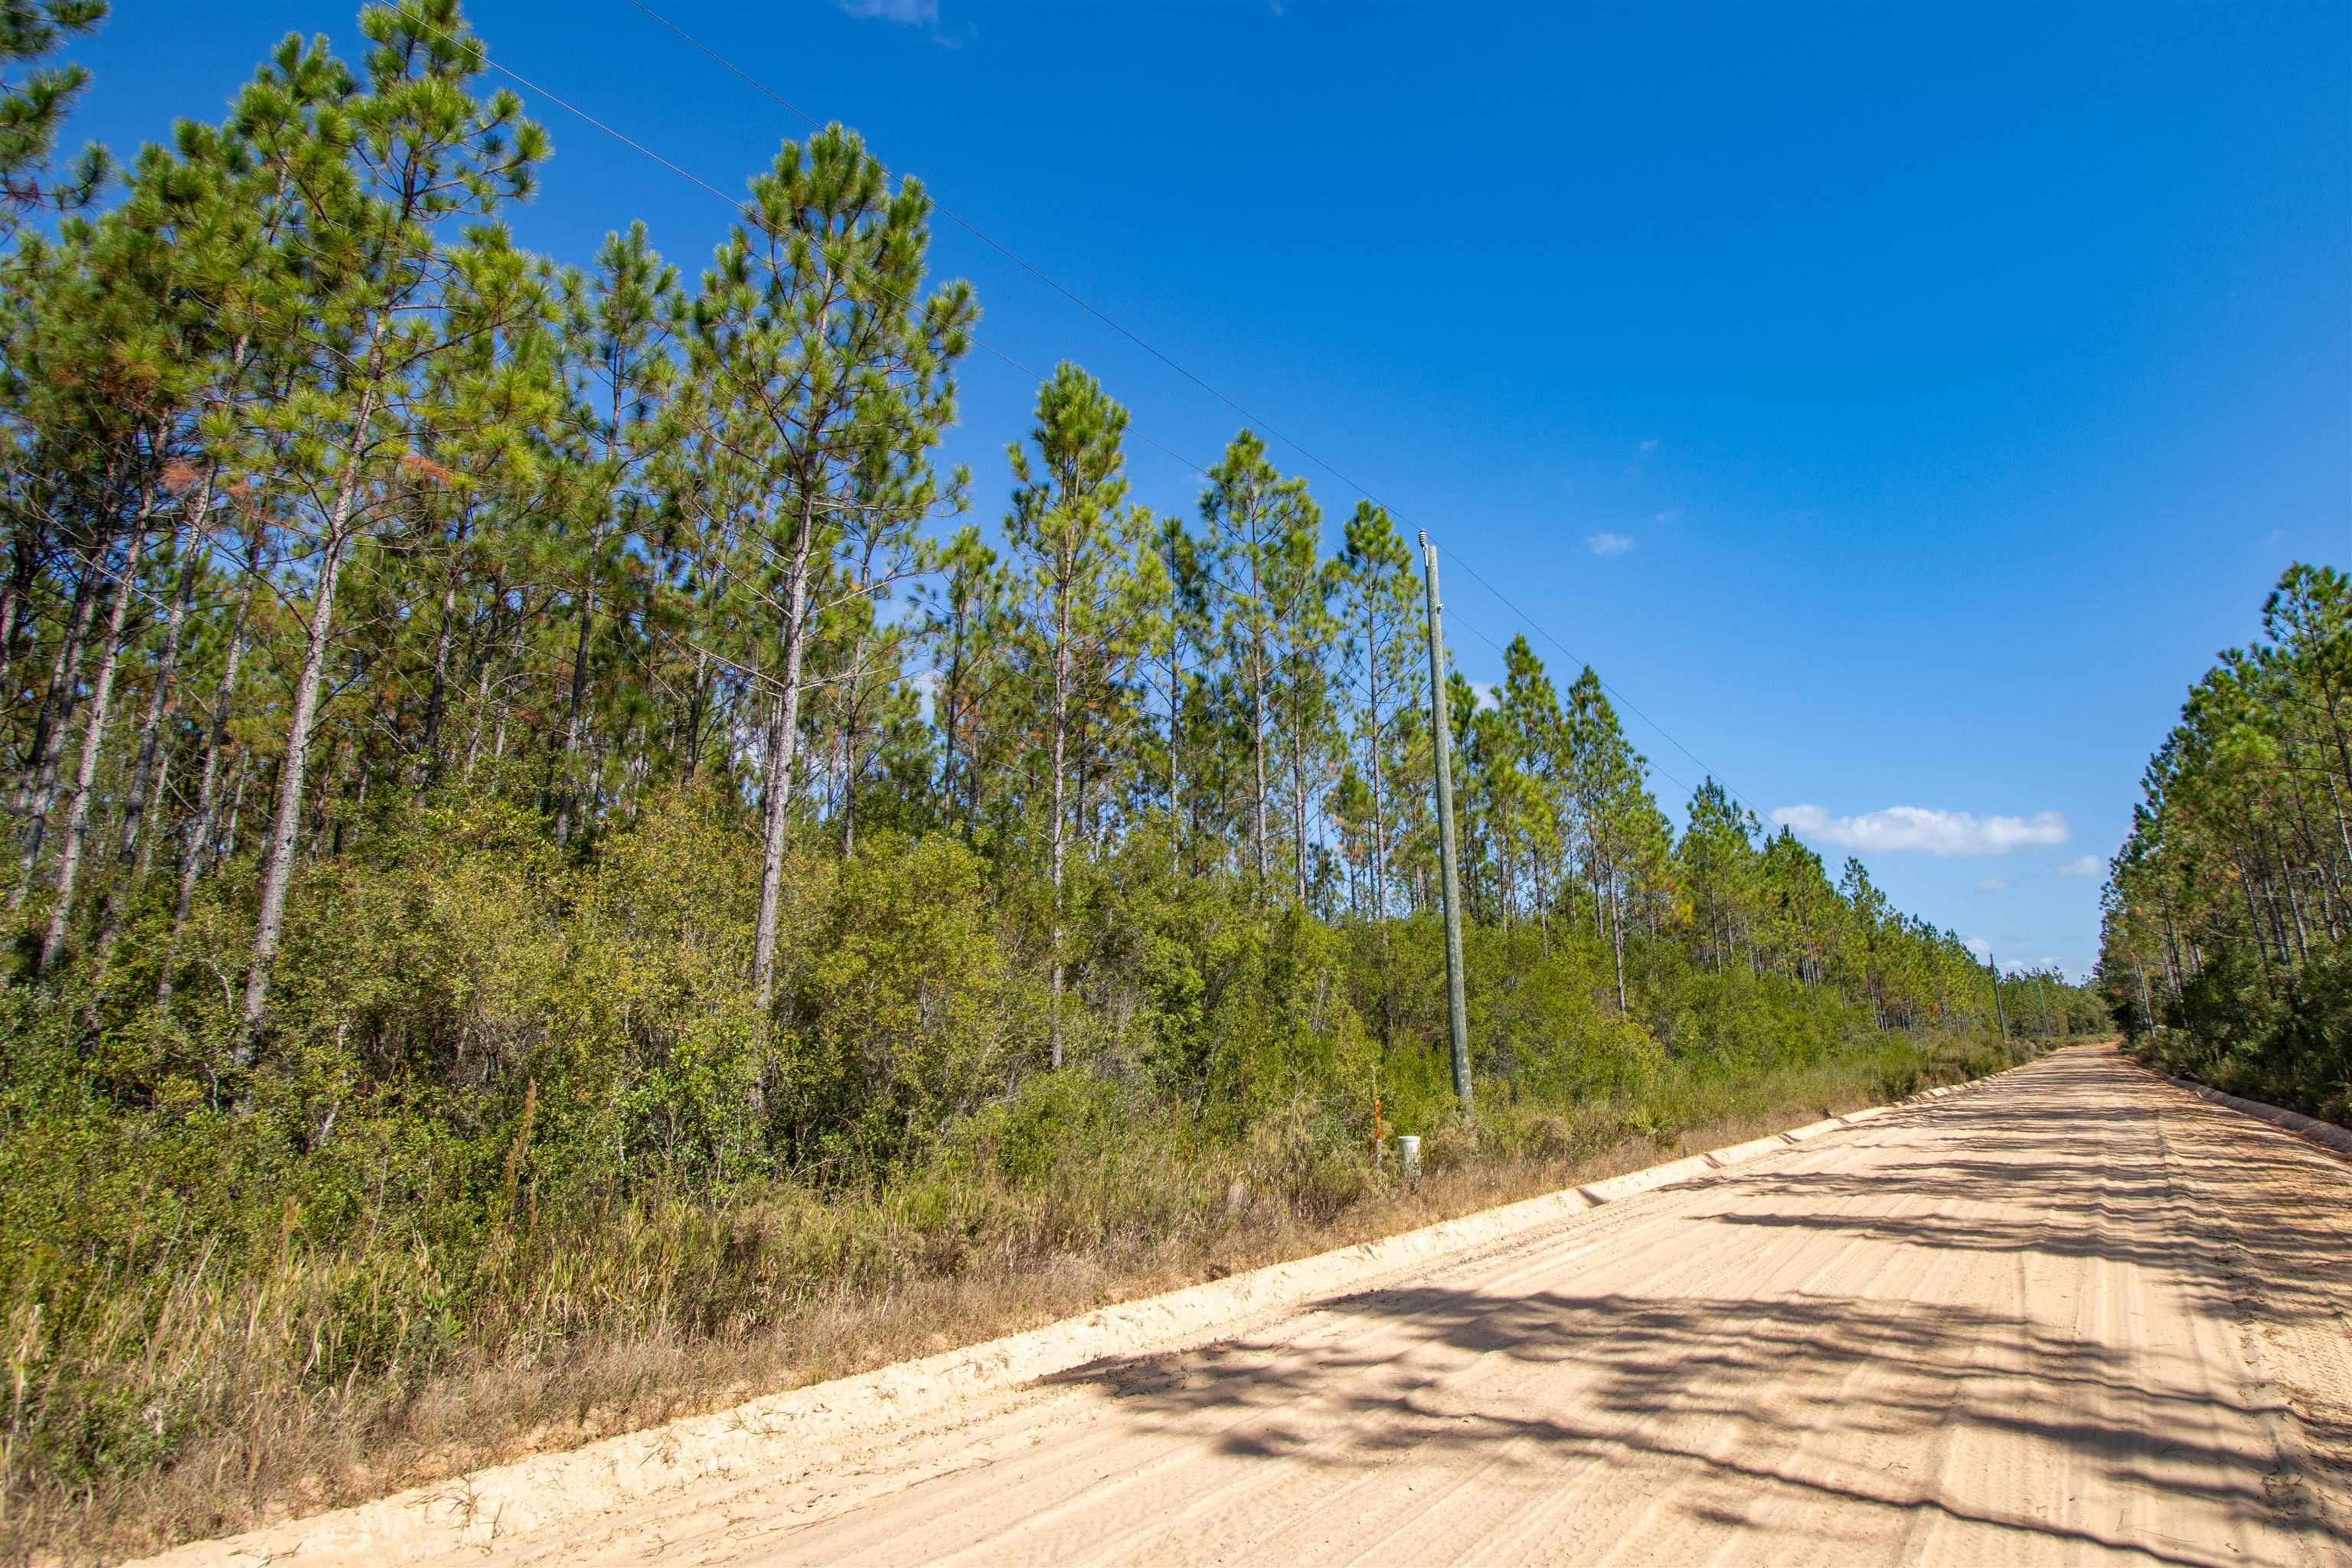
x=2326, y=1134
x=496, y=1503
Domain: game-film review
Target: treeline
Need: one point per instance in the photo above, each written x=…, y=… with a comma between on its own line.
x=502, y=755
x=322, y=496
x=2227, y=948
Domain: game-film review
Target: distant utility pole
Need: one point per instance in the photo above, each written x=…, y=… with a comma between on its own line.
x=1441, y=738
x=2001, y=1017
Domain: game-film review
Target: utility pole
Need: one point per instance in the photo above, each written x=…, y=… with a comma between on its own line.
x=1442, y=745
x=2001, y=1017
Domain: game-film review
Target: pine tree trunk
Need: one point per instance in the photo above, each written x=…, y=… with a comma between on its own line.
x=1379, y=789
x=851, y=711
x=1175, y=733
x=2270, y=905
x=94, y=743
x=37, y=782
x=1617, y=941
x=575, y=719
x=278, y=857
x=949, y=709
x=445, y=638
x=1059, y=833
x=141, y=799
x=1257, y=729
x=783, y=712
x=12, y=602
x=2294, y=902
x=696, y=704
x=481, y=713
x=2254, y=922
x=199, y=846
x=576, y=706
x=1298, y=801
x=1257, y=753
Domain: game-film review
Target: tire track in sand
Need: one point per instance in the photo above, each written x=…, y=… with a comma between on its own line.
x=2072, y=1316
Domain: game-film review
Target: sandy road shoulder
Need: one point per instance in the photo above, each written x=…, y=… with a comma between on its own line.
x=2270, y=1229
x=834, y=1425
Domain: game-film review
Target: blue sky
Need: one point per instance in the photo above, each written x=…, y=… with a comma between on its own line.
x=1900, y=406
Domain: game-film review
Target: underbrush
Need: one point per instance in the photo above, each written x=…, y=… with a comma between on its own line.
x=2289, y=1045
x=522, y=1159
x=178, y=1393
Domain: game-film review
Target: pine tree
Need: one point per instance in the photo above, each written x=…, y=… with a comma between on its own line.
x=1179, y=627
x=1624, y=831
x=1529, y=710
x=808, y=328
x=1063, y=533
x=1256, y=521
x=966, y=620
x=33, y=108
x=1384, y=650
x=422, y=152
x=1299, y=585
x=617, y=352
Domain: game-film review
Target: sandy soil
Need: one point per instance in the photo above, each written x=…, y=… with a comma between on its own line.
x=2073, y=1315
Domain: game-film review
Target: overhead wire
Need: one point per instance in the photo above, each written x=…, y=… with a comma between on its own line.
x=1190, y=465
x=1482, y=636
x=1254, y=419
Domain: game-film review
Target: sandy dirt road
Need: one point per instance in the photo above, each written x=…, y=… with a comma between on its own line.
x=2076, y=1315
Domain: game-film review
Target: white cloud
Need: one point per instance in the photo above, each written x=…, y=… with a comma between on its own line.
x=1978, y=946
x=1489, y=694
x=1947, y=833
x=923, y=14
x=2088, y=866
x=1607, y=544
x=1993, y=885
x=1650, y=445
x=1672, y=514
x=912, y=13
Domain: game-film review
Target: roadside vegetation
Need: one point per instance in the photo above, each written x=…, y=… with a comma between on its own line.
x=557, y=877
x=2227, y=954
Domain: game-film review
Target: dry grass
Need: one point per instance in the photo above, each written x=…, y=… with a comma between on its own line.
x=690, y=1309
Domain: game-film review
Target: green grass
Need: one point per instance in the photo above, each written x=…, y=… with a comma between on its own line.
x=186, y=1397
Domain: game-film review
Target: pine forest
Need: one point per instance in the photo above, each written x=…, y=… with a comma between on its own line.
x=563, y=869
x=2227, y=948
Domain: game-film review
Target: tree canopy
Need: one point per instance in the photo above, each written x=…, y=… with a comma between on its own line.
x=2227, y=942
x=499, y=744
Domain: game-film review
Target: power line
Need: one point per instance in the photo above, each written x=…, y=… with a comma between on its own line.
x=1457, y=616
x=1613, y=691
x=566, y=104
x=737, y=207
x=1188, y=463
x=1025, y=265
x=1091, y=309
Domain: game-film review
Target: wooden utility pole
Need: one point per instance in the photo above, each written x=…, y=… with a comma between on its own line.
x=2003, y=1018
x=1441, y=747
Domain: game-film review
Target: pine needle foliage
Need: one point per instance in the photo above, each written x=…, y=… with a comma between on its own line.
x=2227, y=948
x=553, y=857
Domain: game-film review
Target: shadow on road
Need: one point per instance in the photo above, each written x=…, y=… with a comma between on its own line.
x=1752, y=1377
